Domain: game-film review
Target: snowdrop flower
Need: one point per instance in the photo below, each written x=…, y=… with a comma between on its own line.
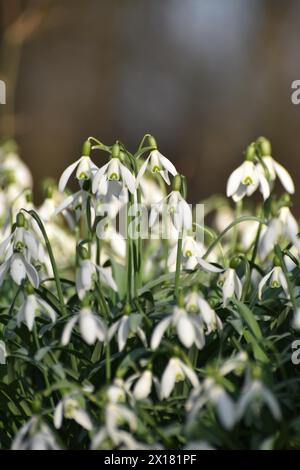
x=284, y=224
x=115, y=241
x=117, y=392
x=87, y=275
x=15, y=171
x=150, y=191
x=176, y=371
x=230, y=283
x=211, y=392
x=275, y=278
x=35, y=435
x=19, y=269
x=20, y=241
x=3, y=353
x=254, y=394
x=235, y=363
x=242, y=182
x=142, y=387
x=273, y=168
x=70, y=408
x=114, y=170
x=122, y=439
x=175, y=206
x=127, y=326
x=195, y=303
x=116, y=415
x=188, y=328
x=157, y=163
x=141, y=384
x=85, y=168
x=91, y=327
x=113, y=201
x=192, y=255
x=32, y=306
x=76, y=202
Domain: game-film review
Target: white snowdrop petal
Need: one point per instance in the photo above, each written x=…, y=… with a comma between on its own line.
x=168, y=379
x=18, y=269
x=263, y=282
x=143, y=386
x=167, y=165
x=159, y=331
x=123, y=332
x=67, y=331
x=98, y=177
x=58, y=415
x=284, y=177
x=234, y=181
x=128, y=178
x=29, y=311
x=87, y=325
x=185, y=331
x=141, y=172
x=81, y=417
x=66, y=175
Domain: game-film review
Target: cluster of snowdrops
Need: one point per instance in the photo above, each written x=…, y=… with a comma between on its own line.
x=111, y=341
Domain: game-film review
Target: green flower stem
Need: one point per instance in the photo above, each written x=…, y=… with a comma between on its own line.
x=146, y=136
x=238, y=212
x=244, y=218
x=107, y=363
x=128, y=257
x=38, y=347
x=278, y=252
x=178, y=265
x=102, y=302
x=35, y=216
x=257, y=237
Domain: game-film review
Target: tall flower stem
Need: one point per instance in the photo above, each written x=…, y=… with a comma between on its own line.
x=238, y=212
x=278, y=252
x=257, y=237
x=107, y=363
x=35, y=216
x=178, y=264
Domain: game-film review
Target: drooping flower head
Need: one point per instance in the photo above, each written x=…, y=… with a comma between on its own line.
x=114, y=170
x=84, y=166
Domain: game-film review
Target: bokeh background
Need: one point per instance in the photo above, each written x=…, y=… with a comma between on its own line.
x=206, y=77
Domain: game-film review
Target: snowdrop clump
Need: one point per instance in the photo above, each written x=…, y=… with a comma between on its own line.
x=120, y=328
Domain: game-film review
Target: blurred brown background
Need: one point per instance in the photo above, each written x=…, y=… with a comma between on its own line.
x=206, y=77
